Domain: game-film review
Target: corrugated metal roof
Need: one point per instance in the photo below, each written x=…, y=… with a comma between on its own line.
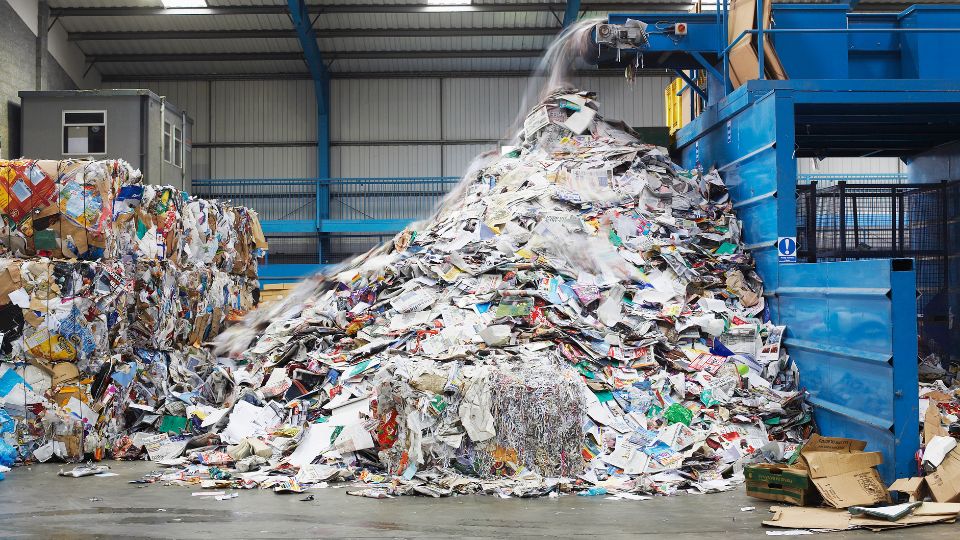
x=515, y=19
x=476, y=43
x=139, y=69
x=545, y=21
x=359, y=42
x=179, y=23
x=425, y=65
x=191, y=46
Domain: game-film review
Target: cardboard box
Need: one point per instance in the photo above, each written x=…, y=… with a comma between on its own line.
x=914, y=488
x=743, y=58
x=843, y=473
x=780, y=483
x=944, y=483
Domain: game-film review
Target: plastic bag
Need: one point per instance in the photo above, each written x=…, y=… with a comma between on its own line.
x=7, y=425
x=8, y=454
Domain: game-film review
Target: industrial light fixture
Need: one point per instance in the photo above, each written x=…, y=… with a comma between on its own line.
x=449, y=5
x=169, y=4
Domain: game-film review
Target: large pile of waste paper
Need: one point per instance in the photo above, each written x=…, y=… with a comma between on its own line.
x=579, y=314
x=108, y=286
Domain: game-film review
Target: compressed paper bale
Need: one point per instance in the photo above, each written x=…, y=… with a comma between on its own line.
x=538, y=412
x=76, y=310
x=529, y=416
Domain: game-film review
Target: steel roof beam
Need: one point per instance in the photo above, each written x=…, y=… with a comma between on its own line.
x=321, y=33
x=365, y=8
x=336, y=55
x=121, y=77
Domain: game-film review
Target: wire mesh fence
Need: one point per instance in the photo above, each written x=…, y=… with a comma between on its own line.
x=847, y=221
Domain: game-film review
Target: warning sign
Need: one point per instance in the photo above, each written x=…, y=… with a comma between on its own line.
x=787, y=249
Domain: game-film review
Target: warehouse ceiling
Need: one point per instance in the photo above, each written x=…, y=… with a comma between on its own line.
x=126, y=39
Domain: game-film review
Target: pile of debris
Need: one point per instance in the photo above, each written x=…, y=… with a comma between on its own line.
x=108, y=286
x=579, y=314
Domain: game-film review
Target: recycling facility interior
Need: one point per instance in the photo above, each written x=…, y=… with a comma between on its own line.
x=676, y=258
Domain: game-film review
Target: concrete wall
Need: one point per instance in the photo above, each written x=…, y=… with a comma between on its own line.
x=63, y=66
x=18, y=72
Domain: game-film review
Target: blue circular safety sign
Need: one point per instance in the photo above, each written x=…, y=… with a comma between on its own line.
x=787, y=246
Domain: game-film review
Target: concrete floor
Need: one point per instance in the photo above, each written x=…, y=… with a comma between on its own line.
x=35, y=502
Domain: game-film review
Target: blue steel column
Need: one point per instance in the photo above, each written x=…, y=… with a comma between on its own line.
x=760, y=51
x=571, y=12
x=300, y=16
x=906, y=395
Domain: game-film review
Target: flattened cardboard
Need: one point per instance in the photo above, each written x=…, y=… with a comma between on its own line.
x=743, y=58
x=64, y=372
x=831, y=519
x=259, y=239
x=818, y=443
x=743, y=64
x=932, y=425
x=855, y=488
x=773, y=68
x=830, y=456
x=937, y=509
x=824, y=464
x=9, y=281
x=789, y=517
x=944, y=483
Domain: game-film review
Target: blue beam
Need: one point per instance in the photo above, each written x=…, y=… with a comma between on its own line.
x=706, y=65
x=300, y=15
x=292, y=226
x=387, y=226
x=691, y=83
x=306, y=226
x=571, y=12
x=287, y=273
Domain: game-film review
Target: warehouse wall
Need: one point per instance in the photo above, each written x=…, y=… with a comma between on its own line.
x=390, y=127
x=875, y=165
x=63, y=65
x=18, y=72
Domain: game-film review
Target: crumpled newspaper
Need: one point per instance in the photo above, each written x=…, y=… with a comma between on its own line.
x=579, y=314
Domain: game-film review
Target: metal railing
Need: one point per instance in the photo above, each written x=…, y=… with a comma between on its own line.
x=273, y=198
x=317, y=199
x=322, y=221
x=827, y=180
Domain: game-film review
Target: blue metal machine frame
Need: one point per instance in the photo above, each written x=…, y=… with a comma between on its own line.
x=860, y=85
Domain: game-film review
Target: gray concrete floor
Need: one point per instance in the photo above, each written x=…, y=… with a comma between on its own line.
x=36, y=503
